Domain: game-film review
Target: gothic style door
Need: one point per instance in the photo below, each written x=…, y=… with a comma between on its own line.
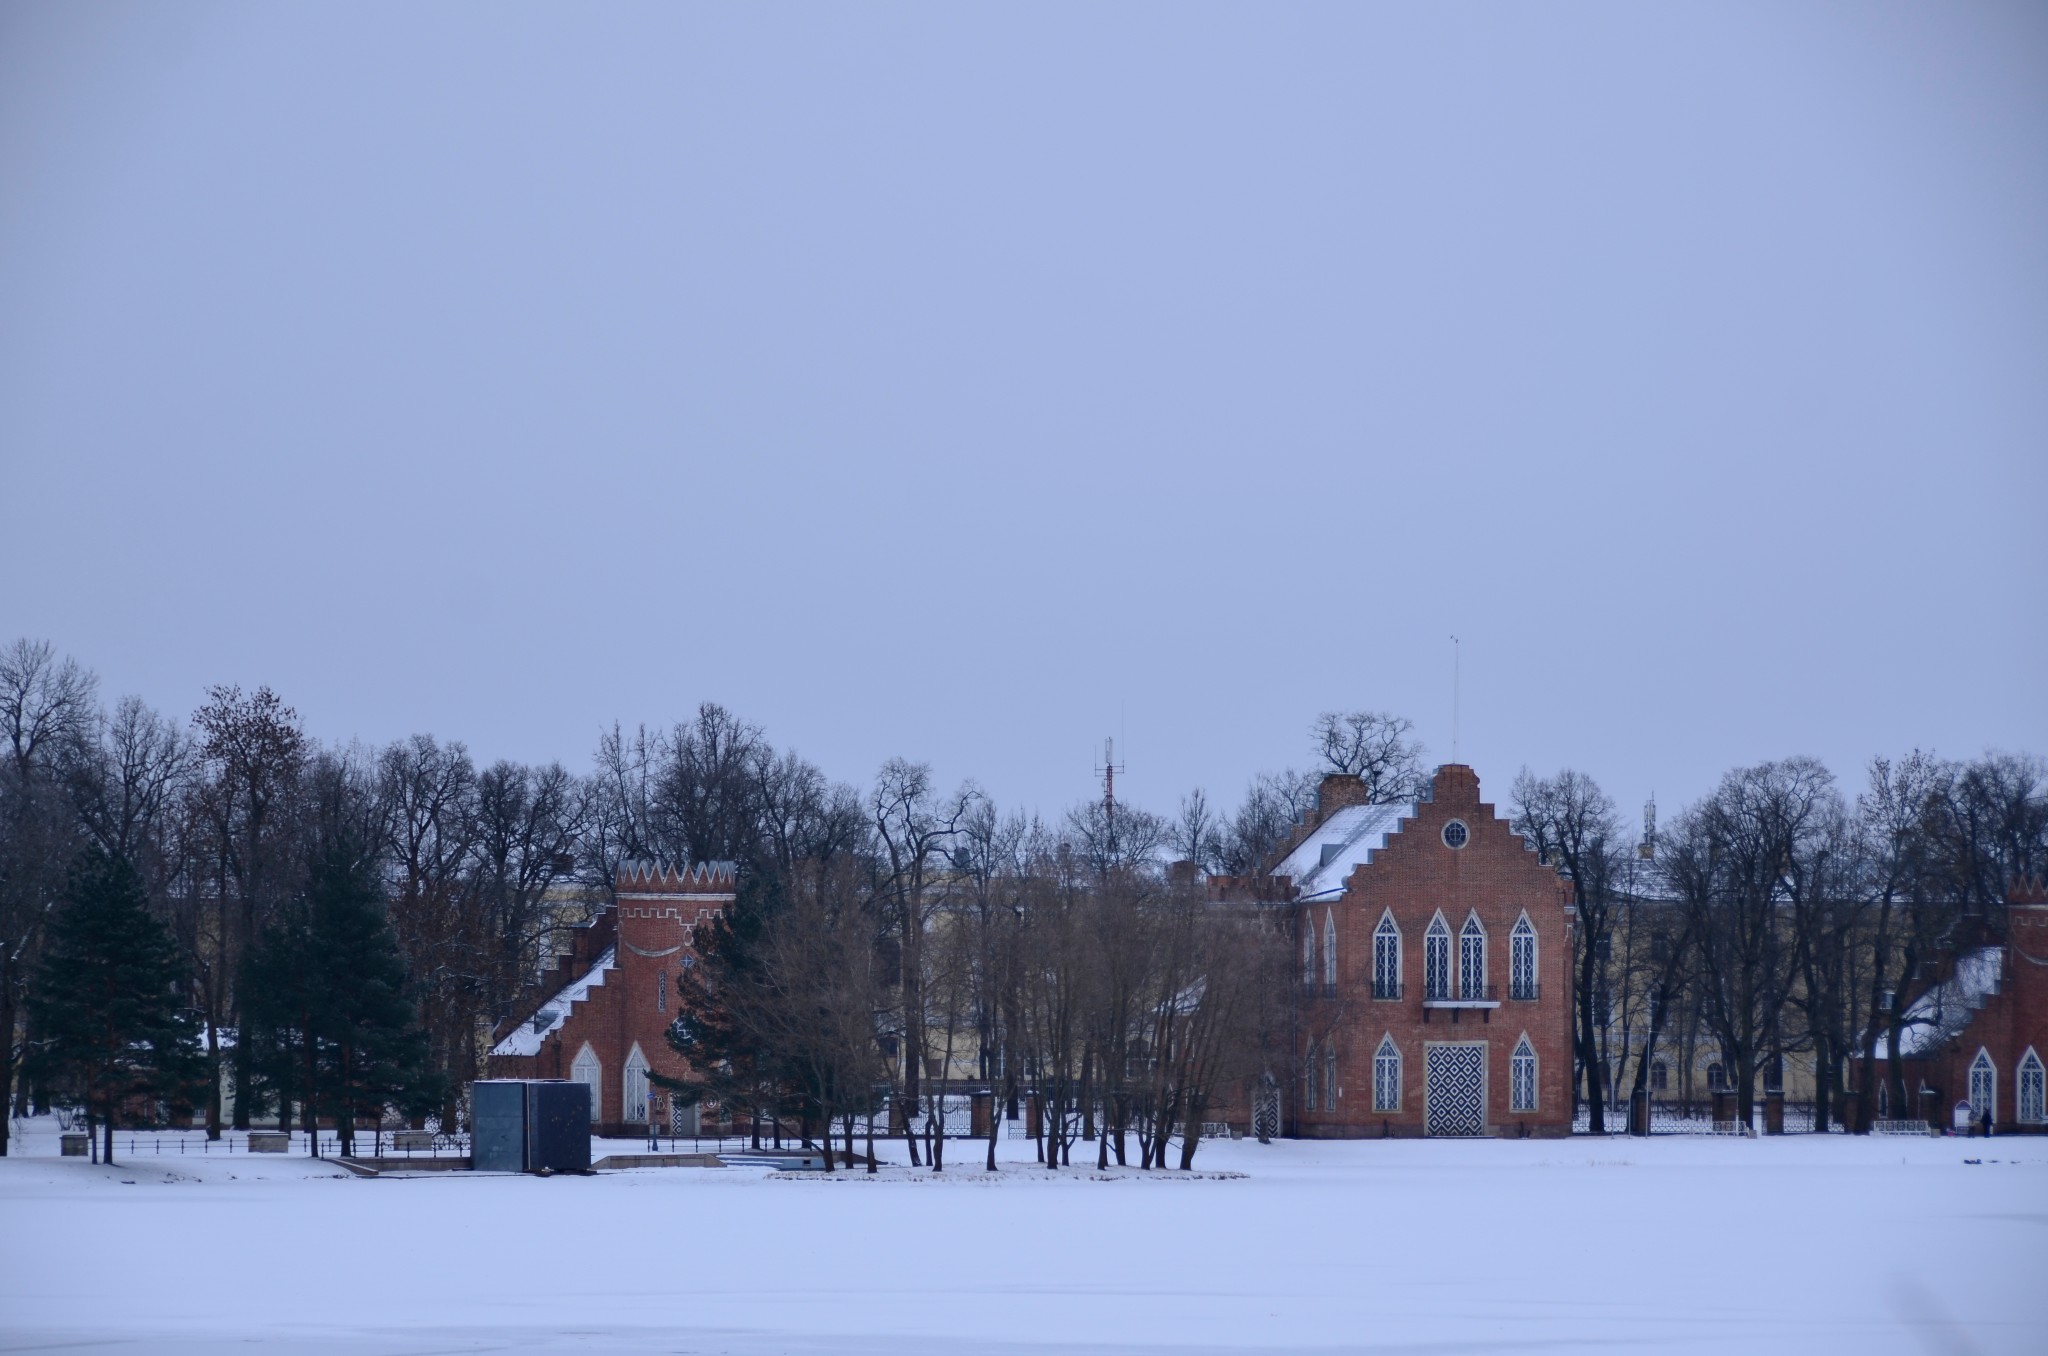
x=1454, y=1100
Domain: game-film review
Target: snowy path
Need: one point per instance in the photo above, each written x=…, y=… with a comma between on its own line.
x=1441, y=1248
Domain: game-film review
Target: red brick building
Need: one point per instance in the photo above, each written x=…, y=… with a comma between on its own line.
x=1975, y=1040
x=602, y=1016
x=1435, y=951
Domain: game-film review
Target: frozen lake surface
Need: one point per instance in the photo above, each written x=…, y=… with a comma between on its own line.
x=1802, y=1244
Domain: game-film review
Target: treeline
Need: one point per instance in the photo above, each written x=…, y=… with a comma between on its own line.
x=345, y=926
x=1780, y=920
x=335, y=931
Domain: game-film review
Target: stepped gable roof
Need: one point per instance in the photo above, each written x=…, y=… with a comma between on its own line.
x=526, y=1038
x=1938, y=1016
x=662, y=879
x=1351, y=836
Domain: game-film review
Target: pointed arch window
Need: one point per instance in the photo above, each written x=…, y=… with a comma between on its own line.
x=1308, y=1080
x=1386, y=958
x=1983, y=1086
x=1308, y=952
x=1472, y=959
x=1386, y=1075
x=2033, y=1088
x=1436, y=960
x=588, y=1071
x=1330, y=1076
x=1329, y=949
x=634, y=1086
x=1522, y=960
x=1522, y=1077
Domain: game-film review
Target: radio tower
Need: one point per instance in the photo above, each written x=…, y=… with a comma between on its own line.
x=1110, y=767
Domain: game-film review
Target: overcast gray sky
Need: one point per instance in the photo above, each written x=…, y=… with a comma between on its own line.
x=973, y=382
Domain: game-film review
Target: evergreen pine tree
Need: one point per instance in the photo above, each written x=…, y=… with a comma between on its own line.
x=331, y=1025
x=277, y=1035
x=372, y=1053
x=108, y=1019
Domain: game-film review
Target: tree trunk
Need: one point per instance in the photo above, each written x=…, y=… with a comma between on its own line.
x=1596, y=1094
x=7, y=1090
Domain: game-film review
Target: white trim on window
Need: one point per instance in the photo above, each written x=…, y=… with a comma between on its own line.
x=1436, y=958
x=1472, y=957
x=1523, y=1089
x=1330, y=947
x=589, y=1071
x=1386, y=957
x=2032, y=1081
x=1522, y=959
x=1983, y=1086
x=633, y=1087
x=1386, y=1075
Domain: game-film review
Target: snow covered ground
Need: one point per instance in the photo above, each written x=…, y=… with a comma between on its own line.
x=1808, y=1245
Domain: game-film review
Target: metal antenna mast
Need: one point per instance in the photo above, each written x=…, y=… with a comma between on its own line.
x=1110, y=767
x=1455, y=656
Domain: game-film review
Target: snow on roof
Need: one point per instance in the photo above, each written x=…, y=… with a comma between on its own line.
x=525, y=1038
x=1351, y=836
x=1938, y=1016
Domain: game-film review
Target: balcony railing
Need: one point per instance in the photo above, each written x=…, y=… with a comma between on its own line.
x=1488, y=994
x=1385, y=991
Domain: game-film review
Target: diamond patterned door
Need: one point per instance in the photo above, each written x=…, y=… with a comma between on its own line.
x=1455, y=1100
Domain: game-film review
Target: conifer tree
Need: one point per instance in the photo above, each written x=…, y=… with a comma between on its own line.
x=109, y=1020
x=332, y=1024
x=372, y=1051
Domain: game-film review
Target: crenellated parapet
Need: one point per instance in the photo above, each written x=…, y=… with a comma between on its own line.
x=656, y=878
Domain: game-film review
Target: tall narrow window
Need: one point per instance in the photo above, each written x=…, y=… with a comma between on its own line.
x=661, y=992
x=1386, y=959
x=1660, y=1077
x=1983, y=1087
x=633, y=1088
x=1436, y=960
x=1522, y=960
x=1308, y=1081
x=1329, y=949
x=1386, y=1076
x=2033, y=1090
x=1330, y=1076
x=1308, y=951
x=1522, y=1077
x=1472, y=959
x=587, y=1071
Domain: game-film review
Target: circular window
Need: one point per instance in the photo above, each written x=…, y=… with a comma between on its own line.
x=1455, y=834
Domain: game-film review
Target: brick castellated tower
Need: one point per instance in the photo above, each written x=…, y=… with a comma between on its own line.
x=602, y=1017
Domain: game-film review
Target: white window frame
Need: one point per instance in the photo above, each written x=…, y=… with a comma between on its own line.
x=1386, y=1075
x=1386, y=956
x=1469, y=984
x=633, y=1087
x=1308, y=951
x=1522, y=959
x=1525, y=1088
x=588, y=1070
x=1984, y=1068
x=1330, y=948
x=2031, y=1085
x=1436, y=958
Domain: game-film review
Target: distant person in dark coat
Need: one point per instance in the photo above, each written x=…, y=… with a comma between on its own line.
x=1987, y=1122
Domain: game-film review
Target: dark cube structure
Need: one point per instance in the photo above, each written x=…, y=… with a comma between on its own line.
x=529, y=1125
